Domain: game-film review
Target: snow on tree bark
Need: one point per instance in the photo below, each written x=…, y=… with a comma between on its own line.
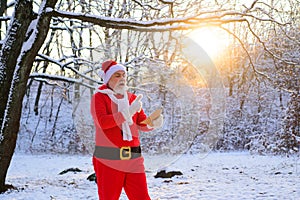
x=19, y=65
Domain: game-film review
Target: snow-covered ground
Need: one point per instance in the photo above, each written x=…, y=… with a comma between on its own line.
x=225, y=176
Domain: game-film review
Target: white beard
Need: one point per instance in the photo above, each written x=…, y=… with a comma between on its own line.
x=120, y=89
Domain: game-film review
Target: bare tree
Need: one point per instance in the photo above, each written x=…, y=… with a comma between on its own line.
x=15, y=72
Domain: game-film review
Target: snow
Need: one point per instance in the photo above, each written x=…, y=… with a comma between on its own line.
x=235, y=175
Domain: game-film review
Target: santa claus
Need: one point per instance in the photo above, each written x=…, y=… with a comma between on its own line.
x=118, y=117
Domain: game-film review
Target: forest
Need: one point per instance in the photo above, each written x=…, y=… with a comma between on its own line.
x=243, y=98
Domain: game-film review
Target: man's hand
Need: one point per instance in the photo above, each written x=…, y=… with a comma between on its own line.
x=136, y=105
x=158, y=122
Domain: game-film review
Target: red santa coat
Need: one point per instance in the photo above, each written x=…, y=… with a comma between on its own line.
x=108, y=124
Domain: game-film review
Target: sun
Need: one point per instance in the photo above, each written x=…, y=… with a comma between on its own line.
x=212, y=40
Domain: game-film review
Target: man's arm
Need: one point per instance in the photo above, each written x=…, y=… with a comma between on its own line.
x=101, y=115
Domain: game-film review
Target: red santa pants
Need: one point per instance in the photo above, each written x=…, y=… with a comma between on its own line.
x=111, y=181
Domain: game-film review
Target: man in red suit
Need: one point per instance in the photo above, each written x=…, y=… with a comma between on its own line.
x=117, y=115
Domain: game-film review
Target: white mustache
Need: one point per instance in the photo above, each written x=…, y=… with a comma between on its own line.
x=120, y=90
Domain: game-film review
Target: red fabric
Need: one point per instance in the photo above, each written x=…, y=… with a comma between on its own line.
x=107, y=64
x=108, y=121
x=110, y=183
x=113, y=175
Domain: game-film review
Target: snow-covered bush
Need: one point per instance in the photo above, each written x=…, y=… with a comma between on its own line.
x=289, y=134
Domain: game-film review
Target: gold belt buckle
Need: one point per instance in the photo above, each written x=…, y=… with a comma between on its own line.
x=125, y=153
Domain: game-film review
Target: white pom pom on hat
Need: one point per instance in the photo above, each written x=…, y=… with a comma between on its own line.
x=109, y=67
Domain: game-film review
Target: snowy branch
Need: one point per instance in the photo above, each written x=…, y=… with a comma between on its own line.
x=66, y=65
x=246, y=51
x=45, y=77
x=5, y=18
x=266, y=49
x=154, y=25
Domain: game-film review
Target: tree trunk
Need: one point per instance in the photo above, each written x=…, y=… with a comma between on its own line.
x=3, y=4
x=45, y=66
x=9, y=53
x=19, y=68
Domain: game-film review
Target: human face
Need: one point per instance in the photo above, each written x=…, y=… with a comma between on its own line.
x=117, y=82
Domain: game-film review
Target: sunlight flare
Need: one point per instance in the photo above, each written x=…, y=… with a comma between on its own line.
x=212, y=40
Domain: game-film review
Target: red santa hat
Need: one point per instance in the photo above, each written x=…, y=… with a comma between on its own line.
x=109, y=67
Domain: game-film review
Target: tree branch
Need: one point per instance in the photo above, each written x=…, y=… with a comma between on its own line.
x=265, y=48
x=154, y=25
x=66, y=65
x=248, y=55
x=46, y=77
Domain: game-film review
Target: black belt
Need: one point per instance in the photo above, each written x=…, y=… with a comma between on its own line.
x=112, y=153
